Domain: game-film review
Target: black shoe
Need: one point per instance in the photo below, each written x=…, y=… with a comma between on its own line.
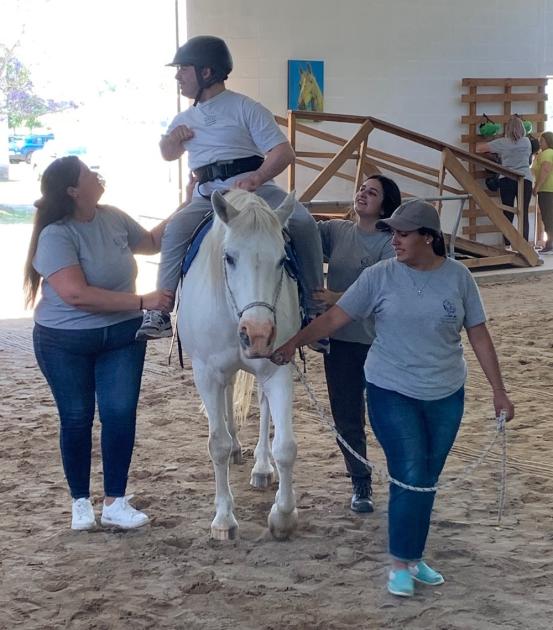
x=361, y=499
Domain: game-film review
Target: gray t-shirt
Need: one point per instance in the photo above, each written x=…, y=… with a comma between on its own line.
x=417, y=350
x=349, y=250
x=227, y=127
x=514, y=155
x=104, y=249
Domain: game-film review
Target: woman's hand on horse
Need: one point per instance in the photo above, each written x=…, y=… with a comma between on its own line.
x=161, y=300
x=326, y=297
x=502, y=402
x=284, y=354
x=251, y=182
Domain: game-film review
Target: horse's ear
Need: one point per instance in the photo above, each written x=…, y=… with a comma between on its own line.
x=222, y=208
x=286, y=208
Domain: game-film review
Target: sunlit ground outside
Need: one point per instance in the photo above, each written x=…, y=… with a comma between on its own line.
x=109, y=58
x=142, y=190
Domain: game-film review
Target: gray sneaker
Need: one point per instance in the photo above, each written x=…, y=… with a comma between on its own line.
x=155, y=325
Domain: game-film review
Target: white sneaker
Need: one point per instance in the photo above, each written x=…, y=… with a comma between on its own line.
x=122, y=514
x=82, y=514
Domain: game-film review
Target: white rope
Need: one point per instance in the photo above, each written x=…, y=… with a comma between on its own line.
x=500, y=431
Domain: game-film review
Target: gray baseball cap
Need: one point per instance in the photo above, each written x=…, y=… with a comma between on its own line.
x=412, y=215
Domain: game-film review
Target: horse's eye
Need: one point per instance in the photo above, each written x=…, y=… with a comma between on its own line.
x=282, y=261
x=229, y=260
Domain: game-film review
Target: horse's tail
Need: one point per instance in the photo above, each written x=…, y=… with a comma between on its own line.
x=243, y=390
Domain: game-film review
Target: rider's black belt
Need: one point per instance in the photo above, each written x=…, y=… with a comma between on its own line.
x=223, y=169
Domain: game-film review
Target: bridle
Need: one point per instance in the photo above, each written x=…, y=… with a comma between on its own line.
x=271, y=307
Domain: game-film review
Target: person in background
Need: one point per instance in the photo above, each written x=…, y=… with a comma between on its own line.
x=82, y=254
x=232, y=142
x=350, y=246
x=515, y=151
x=543, y=188
x=415, y=371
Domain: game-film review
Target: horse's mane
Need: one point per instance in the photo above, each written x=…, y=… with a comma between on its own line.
x=255, y=217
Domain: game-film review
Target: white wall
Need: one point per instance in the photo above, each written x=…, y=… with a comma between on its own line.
x=399, y=60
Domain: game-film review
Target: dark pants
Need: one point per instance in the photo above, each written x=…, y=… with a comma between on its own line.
x=416, y=436
x=81, y=366
x=508, y=189
x=545, y=202
x=345, y=381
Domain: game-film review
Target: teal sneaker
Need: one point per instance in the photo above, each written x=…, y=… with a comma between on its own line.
x=424, y=574
x=401, y=583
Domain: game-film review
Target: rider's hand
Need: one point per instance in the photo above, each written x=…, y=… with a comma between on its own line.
x=251, y=182
x=180, y=134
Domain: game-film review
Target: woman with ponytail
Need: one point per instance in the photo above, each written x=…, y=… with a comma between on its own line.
x=81, y=255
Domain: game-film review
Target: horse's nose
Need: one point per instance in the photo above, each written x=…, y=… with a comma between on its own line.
x=257, y=339
x=244, y=339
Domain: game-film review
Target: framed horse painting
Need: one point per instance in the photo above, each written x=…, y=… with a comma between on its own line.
x=306, y=85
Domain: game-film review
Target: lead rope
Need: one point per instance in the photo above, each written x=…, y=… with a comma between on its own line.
x=383, y=474
x=503, y=477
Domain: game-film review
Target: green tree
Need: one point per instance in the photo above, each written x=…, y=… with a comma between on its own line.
x=18, y=100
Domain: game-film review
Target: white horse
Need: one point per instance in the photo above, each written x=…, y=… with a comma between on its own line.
x=237, y=304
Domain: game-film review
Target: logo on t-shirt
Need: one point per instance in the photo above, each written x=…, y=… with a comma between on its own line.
x=450, y=310
x=209, y=119
x=367, y=261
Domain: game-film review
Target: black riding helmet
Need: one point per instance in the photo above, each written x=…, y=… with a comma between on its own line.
x=205, y=51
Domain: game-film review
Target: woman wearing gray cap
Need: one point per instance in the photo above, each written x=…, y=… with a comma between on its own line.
x=415, y=370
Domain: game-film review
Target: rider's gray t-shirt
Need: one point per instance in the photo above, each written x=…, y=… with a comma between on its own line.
x=227, y=126
x=514, y=155
x=417, y=350
x=349, y=250
x=104, y=249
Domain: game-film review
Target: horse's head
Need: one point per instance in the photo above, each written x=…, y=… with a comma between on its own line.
x=310, y=95
x=253, y=262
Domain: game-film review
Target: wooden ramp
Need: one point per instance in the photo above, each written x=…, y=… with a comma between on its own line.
x=455, y=164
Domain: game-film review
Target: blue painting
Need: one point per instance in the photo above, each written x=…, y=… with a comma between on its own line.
x=306, y=85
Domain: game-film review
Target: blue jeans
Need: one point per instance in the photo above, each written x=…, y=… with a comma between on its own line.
x=416, y=436
x=84, y=365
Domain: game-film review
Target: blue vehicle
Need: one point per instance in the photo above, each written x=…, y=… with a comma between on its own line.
x=21, y=148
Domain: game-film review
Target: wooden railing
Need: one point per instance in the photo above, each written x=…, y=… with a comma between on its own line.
x=454, y=161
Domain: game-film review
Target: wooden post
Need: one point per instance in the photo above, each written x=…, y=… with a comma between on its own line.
x=360, y=165
x=292, y=141
x=495, y=215
x=332, y=167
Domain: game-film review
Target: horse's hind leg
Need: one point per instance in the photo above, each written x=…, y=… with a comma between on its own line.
x=236, y=450
x=224, y=526
x=283, y=517
x=263, y=472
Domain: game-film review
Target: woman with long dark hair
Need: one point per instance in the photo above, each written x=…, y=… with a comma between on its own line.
x=82, y=255
x=350, y=246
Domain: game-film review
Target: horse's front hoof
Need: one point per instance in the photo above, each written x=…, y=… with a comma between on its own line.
x=261, y=481
x=282, y=525
x=224, y=534
x=236, y=457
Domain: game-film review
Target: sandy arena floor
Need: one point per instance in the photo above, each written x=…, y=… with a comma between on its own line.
x=331, y=575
